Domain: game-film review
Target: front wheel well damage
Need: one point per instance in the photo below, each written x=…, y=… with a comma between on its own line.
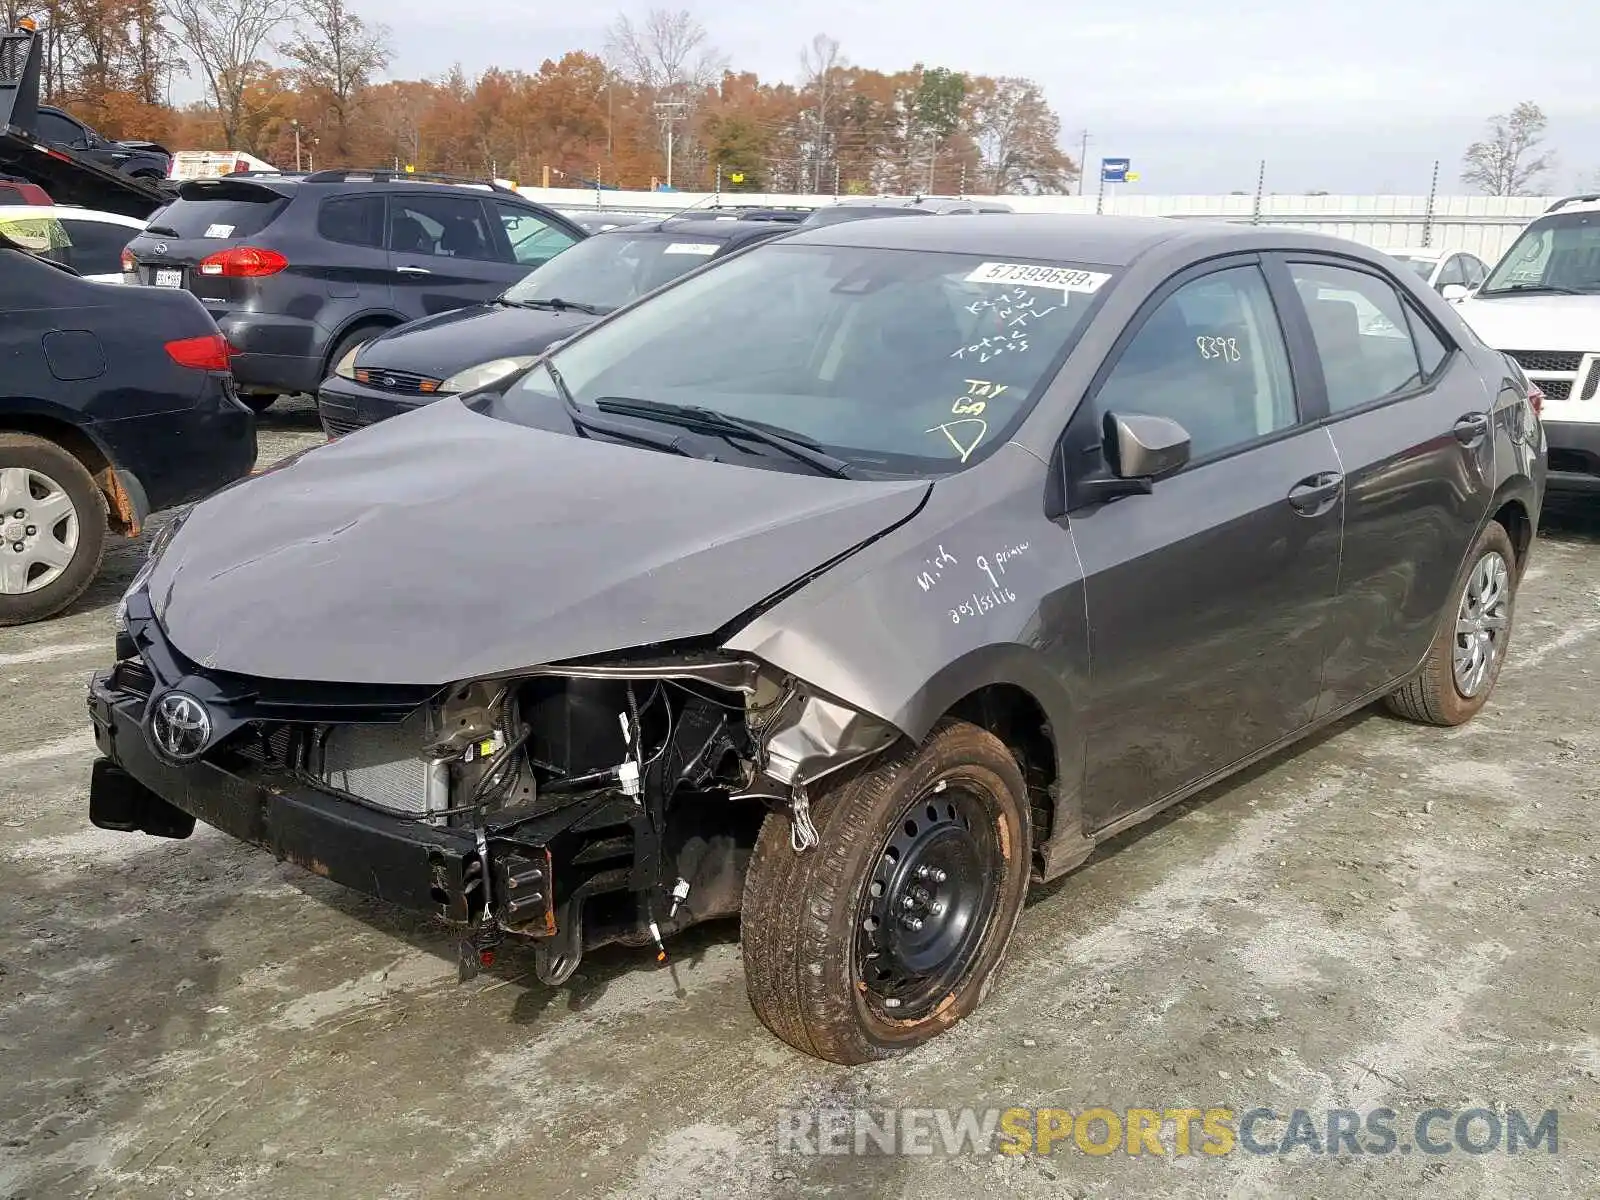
x=1014, y=716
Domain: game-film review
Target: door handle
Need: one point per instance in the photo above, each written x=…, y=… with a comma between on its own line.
x=413, y=271
x=1315, y=494
x=1472, y=428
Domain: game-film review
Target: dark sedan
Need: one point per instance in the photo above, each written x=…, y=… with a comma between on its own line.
x=112, y=404
x=471, y=348
x=848, y=586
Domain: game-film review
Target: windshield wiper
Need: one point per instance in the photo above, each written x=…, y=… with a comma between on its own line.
x=1529, y=289
x=556, y=304
x=693, y=416
x=671, y=443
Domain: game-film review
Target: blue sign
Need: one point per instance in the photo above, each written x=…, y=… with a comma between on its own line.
x=1114, y=170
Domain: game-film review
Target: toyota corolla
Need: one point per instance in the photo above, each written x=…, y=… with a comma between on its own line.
x=847, y=587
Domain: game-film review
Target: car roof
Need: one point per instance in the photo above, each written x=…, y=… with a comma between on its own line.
x=1105, y=240
x=705, y=228
x=1426, y=254
x=19, y=211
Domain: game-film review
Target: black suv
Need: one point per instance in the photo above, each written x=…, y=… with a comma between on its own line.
x=474, y=347
x=300, y=269
x=140, y=160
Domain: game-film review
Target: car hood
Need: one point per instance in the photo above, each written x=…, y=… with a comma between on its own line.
x=445, y=545
x=1535, y=322
x=440, y=345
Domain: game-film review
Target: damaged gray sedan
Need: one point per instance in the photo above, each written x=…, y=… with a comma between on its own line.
x=847, y=587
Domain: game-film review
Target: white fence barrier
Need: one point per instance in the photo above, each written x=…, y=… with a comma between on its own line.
x=1485, y=225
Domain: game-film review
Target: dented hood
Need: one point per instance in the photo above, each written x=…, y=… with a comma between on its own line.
x=445, y=545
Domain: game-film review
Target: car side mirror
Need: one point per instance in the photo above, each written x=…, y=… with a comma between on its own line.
x=1455, y=292
x=1140, y=447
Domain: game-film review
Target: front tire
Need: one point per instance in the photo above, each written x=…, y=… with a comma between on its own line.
x=1464, y=661
x=892, y=928
x=52, y=528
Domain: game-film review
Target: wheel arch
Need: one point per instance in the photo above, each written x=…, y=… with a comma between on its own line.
x=1010, y=691
x=126, y=508
x=372, y=319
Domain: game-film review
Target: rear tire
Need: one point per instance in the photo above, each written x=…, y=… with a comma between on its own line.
x=1442, y=694
x=60, y=503
x=936, y=834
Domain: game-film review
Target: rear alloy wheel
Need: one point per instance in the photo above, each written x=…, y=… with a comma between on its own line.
x=1465, y=659
x=52, y=528
x=892, y=928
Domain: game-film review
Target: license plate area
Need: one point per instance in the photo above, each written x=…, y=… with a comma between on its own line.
x=168, y=278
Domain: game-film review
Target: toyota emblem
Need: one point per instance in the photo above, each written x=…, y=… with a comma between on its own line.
x=180, y=727
x=161, y=247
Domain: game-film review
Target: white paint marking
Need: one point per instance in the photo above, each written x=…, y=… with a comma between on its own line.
x=62, y=747
x=46, y=653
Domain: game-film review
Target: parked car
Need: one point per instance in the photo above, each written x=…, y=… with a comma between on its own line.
x=298, y=270
x=136, y=159
x=15, y=190
x=598, y=220
x=1541, y=305
x=211, y=164
x=470, y=348
x=91, y=243
x=1456, y=270
x=847, y=585
x=112, y=405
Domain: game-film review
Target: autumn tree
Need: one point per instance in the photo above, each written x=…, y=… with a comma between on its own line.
x=1018, y=137
x=1505, y=163
x=820, y=64
x=225, y=39
x=336, y=54
x=670, y=59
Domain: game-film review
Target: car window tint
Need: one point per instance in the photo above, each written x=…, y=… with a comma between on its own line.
x=534, y=241
x=1211, y=357
x=441, y=226
x=1431, y=352
x=353, y=220
x=1361, y=334
x=52, y=127
x=1453, y=272
x=96, y=246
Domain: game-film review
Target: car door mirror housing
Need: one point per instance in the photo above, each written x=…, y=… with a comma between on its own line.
x=1143, y=447
x=1455, y=291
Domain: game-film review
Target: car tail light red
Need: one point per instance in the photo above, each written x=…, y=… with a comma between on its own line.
x=1536, y=399
x=128, y=265
x=208, y=353
x=243, y=262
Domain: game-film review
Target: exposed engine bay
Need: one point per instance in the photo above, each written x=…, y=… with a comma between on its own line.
x=610, y=802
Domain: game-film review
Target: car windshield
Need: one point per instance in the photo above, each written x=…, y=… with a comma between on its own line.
x=612, y=269
x=1558, y=253
x=900, y=361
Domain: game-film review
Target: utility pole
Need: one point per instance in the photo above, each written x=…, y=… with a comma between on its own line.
x=1083, y=161
x=670, y=112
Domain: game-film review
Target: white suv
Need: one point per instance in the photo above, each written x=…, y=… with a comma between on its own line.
x=1541, y=305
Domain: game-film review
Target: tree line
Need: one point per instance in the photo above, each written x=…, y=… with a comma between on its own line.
x=657, y=100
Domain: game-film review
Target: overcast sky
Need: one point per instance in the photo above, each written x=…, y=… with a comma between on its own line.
x=1355, y=96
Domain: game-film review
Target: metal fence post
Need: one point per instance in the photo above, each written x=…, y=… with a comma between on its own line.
x=1427, y=216
x=1261, y=182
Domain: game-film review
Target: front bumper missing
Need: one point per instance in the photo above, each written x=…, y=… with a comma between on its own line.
x=424, y=868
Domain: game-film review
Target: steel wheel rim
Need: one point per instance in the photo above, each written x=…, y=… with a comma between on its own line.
x=1483, y=619
x=929, y=903
x=39, y=530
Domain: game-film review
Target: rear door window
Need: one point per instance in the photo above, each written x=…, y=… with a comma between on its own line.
x=1362, y=334
x=96, y=246
x=443, y=227
x=352, y=220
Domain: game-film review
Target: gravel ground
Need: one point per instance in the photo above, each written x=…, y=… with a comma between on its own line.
x=1389, y=915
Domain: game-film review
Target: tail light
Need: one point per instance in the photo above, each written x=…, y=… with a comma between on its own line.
x=128, y=265
x=208, y=353
x=1536, y=399
x=243, y=262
